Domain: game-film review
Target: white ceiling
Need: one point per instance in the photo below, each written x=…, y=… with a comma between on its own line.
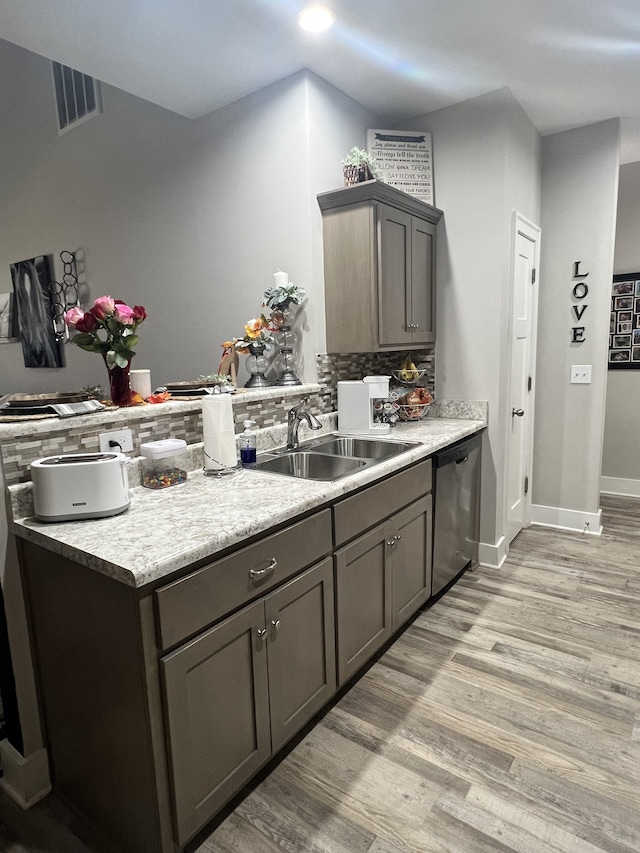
x=568, y=62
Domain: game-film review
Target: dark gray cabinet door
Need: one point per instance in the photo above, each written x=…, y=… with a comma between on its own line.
x=405, y=278
x=394, y=276
x=301, y=650
x=411, y=559
x=363, y=600
x=422, y=294
x=381, y=578
x=217, y=710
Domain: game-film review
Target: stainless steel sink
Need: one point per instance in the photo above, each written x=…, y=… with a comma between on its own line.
x=331, y=457
x=310, y=466
x=365, y=448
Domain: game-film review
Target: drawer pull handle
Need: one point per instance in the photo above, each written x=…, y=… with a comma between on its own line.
x=260, y=573
x=276, y=624
x=262, y=632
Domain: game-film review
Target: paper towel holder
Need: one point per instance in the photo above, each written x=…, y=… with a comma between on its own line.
x=222, y=471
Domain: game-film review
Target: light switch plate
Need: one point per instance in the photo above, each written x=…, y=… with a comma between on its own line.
x=580, y=374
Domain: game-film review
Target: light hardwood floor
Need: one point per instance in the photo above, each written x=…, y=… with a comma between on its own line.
x=505, y=718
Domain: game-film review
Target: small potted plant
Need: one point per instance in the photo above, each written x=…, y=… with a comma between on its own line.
x=358, y=166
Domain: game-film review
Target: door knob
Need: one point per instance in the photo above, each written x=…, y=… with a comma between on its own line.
x=517, y=412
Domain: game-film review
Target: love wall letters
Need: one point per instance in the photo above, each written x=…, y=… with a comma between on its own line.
x=578, y=294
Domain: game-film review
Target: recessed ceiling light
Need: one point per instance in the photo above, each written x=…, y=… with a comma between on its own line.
x=316, y=19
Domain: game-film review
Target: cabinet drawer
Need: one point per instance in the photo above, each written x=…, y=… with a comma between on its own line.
x=188, y=605
x=358, y=513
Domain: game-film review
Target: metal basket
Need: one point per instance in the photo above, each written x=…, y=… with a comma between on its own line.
x=413, y=413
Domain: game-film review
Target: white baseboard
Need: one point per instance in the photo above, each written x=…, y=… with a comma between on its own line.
x=493, y=556
x=25, y=780
x=567, y=519
x=620, y=486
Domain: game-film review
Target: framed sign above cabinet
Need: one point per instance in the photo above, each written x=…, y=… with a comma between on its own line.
x=624, y=326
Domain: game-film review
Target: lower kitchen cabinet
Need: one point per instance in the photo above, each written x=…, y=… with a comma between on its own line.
x=411, y=560
x=236, y=693
x=382, y=578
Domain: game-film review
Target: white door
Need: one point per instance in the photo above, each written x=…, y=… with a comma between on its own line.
x=525, y=253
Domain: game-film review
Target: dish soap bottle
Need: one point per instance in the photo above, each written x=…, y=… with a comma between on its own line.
x=247, y=444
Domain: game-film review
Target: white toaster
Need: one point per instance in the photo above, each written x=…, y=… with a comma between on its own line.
x=80, y=485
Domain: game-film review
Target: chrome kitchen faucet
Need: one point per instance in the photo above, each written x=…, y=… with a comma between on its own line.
x=295, y=415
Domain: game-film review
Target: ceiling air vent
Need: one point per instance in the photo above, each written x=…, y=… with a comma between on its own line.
x=77, y=96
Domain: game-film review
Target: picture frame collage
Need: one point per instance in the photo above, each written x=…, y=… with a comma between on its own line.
x=624, y=325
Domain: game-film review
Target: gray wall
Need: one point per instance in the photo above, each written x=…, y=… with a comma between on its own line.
x=188, y=218
x=486, y=158
x=621, y=456
x=579, y=193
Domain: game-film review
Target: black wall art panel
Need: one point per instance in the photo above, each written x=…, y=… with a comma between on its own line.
x=624, y=327
x=32, y=293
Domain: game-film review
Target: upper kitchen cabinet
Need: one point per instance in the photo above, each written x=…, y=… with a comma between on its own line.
x=379, y=263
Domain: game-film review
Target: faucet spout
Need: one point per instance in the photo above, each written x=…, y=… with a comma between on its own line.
x=294, y=417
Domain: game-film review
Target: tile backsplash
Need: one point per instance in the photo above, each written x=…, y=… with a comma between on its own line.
x=335, y=367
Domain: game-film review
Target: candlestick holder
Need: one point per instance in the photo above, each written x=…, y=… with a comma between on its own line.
x=286, y=341
x=257, y=366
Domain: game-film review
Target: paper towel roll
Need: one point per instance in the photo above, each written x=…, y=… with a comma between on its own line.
x=140, y=381
x=218, y=433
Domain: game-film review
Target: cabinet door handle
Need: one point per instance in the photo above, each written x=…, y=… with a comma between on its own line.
x=397, y=538
x=260, y=573
x=275, y=623
x=262, y=632
x=391, y=542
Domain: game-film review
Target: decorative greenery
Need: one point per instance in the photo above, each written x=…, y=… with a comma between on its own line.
x=359, y=157
x=108, y=327
x=218, y=378
x=94, y=392
x=279, y=298
x=257, y=331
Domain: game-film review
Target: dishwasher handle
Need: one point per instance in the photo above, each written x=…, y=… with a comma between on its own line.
x=459, y=453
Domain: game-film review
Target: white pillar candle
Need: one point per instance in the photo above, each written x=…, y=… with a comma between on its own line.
x=217, y=431
x=281, y=278
x=140, y=381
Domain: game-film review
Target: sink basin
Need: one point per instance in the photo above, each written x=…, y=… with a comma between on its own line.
x=310, y=466
x=331, y=457
x=365, y=448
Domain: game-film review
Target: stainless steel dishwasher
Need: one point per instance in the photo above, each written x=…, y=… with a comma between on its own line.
x=457, y=501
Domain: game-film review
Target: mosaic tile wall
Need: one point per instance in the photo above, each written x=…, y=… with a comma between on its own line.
x=20, y=447
x=333, y=367
x=182, y=420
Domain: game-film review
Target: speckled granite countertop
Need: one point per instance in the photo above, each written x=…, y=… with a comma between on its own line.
x=164, y=531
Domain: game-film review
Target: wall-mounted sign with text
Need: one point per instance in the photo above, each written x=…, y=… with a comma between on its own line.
x=404, y=160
